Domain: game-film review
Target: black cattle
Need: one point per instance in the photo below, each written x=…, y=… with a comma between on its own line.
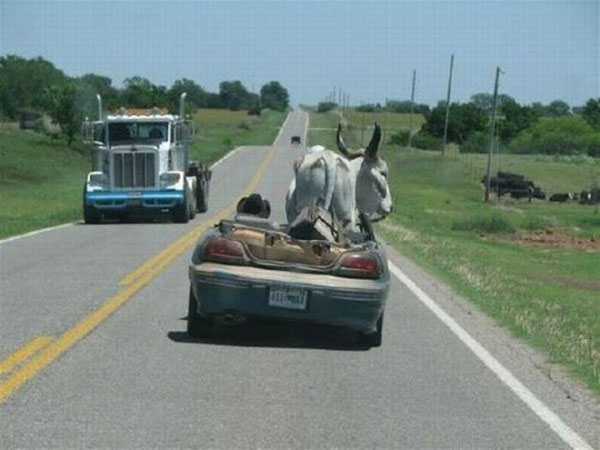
x=560, y=197
x=514, y=184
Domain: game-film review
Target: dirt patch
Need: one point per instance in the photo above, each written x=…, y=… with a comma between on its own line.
x=552, y=238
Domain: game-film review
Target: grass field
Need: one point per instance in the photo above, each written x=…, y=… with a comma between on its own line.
x=535, y=267
x=220, y=130
x=41, y=180
x=323, y=126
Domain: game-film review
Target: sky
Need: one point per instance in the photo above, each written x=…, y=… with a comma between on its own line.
x=547, y=50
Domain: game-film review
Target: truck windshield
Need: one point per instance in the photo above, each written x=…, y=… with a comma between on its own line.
x=123, y=132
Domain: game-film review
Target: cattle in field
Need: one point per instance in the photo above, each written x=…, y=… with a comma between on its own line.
x=345, y=185
x=560, y=197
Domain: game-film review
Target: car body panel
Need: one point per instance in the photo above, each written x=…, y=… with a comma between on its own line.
x=245, y=290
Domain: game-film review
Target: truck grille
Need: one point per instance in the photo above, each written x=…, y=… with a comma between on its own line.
x=134, y=170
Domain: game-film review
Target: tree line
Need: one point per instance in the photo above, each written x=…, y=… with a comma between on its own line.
x=555, y=128
x=36, y=85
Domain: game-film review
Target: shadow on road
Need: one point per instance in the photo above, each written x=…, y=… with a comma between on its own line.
x=277, y=335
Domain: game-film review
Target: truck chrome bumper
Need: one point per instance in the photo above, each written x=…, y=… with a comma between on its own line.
x=105, y=201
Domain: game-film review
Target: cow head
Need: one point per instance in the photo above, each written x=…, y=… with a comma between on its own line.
x=372, y=190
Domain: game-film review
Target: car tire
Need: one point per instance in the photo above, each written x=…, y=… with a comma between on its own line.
x=374, y=339
x=197, y=326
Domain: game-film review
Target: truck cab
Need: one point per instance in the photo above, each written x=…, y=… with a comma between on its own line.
x=140, y=165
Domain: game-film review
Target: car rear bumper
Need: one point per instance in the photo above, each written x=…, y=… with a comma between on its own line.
x=351, y=303
x=120, y=201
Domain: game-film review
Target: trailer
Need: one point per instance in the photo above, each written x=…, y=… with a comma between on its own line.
x=141, y=166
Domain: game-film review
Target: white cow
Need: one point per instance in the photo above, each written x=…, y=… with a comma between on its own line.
x=356, y=183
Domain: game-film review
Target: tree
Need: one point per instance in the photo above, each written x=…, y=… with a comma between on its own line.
x=484, y=101
x=60, y=103
x=463, y=120
x=141, y=93
x=591, y=112
x=558, y=108
x=196, y=96
x=566, y=135
x=274, y=96
x=22, y=81
x=516, y=119
x=326, y=106
x=233, y=95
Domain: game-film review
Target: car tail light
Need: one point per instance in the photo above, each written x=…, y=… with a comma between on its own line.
x=224, y=251
x=359, y=265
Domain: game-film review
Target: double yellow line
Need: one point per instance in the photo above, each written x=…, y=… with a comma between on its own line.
x=41, y=351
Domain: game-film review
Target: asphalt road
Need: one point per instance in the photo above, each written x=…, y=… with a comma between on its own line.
x=126, y=375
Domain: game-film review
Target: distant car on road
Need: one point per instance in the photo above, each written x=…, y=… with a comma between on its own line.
x=251, y=268
x=296, y=140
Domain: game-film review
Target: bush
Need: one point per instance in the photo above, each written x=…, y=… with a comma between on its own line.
x=400, y=138
x=477, y=142
x=425, y=141
x=569, y=135
x=325, y=106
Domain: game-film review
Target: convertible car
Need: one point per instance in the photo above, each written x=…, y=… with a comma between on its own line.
x=251, y=268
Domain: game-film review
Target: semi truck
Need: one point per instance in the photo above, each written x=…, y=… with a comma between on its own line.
x=141, y=166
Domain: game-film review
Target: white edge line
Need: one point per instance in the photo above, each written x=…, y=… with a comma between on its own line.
x=282, y=127
x=225, y=157
x=306, y=128
x=536, y=405
x=33, y=233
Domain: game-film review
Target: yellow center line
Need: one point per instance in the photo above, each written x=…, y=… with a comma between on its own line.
x=144, y=274
x=28, y=349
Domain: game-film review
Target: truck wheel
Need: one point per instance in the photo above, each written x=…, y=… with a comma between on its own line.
x=181, y=213
x=202, y=194
x=197, y=326
x=374, y=339
x=90, y=215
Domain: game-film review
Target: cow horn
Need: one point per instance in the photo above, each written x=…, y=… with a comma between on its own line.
x=373, y=146
x=342, y=145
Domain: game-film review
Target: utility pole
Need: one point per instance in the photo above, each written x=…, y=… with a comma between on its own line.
x=448, y=104
x=412, y=102
x=362, y=125
x=493, y=133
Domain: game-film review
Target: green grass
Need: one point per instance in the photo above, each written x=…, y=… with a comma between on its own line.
x=41, y=179
x=220, y=130
x=546, y=294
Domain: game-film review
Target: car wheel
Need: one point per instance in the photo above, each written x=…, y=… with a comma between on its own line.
x=374, y=339
x=197, y=326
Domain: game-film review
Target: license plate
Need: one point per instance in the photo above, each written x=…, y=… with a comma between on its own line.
x=134, y=202
x=292, y=298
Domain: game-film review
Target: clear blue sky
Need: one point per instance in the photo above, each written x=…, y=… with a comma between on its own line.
x=547, y=49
